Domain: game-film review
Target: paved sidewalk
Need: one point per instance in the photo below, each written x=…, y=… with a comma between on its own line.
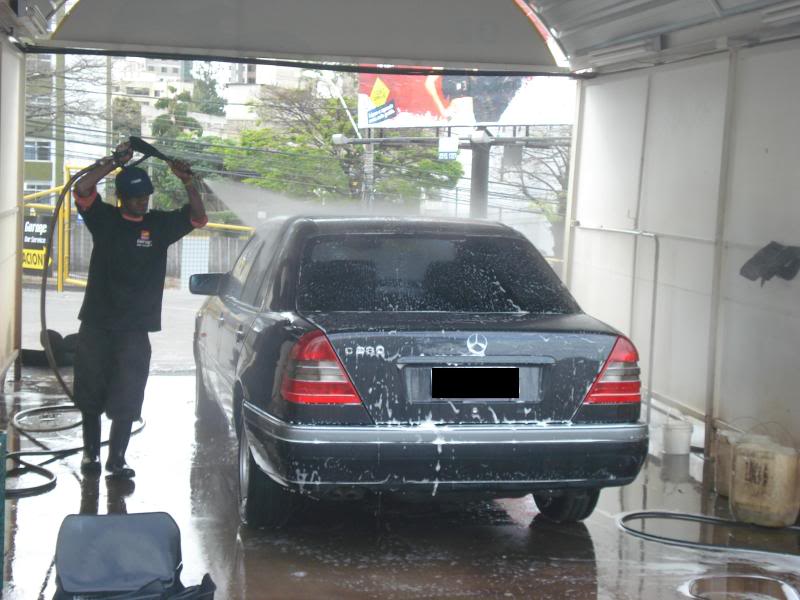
x=172, y=346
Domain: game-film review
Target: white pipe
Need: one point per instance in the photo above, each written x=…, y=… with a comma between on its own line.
x=653, y=305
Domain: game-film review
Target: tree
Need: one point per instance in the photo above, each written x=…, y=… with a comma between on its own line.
x=171, y=130
x=126, y=118
x=543, y=176
x=176, y=119
x=43, y=79
x=205, y=98
x=292, y=152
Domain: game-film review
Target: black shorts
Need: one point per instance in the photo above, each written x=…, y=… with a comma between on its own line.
x=111, y=369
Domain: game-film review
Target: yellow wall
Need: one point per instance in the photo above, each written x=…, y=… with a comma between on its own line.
x=12, y=68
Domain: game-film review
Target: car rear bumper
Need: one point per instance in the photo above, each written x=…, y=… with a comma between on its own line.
x=480, y=458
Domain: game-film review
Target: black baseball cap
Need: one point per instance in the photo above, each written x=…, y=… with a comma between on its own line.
x=133, y=182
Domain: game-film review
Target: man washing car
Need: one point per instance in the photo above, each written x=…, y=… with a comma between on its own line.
x=123, y=298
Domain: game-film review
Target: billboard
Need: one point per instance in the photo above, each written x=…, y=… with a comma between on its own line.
x=389, y=100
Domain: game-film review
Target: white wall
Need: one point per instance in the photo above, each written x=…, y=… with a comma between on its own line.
x=12, y=69
x=760, y=326
x=610, y=135
x=651, y=156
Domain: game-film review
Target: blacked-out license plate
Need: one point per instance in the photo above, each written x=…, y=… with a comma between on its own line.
x=475, y=382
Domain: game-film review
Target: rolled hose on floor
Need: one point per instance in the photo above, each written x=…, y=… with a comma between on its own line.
x=24, y=467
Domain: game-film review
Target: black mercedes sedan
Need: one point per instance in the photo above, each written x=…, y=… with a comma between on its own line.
x=412, y=356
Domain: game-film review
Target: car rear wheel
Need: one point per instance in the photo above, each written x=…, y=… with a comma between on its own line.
x=568, y=506
x=262, y=502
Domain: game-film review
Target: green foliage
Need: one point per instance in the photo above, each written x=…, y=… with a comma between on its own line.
x=172, y=130
x=126, y=118
x=226, y=217
x=176, y=119
x=410, y=173
x=293, y=153
x=205, y=98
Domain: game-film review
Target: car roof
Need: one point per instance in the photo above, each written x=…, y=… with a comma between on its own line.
x=404, y=225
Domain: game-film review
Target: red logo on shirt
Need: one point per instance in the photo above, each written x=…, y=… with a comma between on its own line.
x=144, y=239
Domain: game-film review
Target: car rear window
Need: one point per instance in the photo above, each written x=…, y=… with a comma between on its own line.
x=387, y=272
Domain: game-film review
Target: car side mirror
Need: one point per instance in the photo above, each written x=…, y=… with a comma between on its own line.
x=207, y=284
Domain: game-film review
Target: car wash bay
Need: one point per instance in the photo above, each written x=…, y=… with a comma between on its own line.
x=681, y=173
x=383, y=548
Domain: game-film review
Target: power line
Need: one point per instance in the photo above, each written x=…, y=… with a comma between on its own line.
x=295, y=156
x=444, y=195
x=259, y=101
x=285, y=175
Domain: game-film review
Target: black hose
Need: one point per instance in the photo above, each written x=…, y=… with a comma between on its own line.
x=24, y=467
x=48, y=349
x=676, y=516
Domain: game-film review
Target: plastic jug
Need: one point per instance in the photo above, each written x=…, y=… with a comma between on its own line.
x=764, y=482
x=723, y=467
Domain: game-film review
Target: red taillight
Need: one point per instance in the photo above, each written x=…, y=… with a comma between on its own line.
x=314, y=374
x=618, y=381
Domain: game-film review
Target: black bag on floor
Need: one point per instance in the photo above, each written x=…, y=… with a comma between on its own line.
x=134, y=556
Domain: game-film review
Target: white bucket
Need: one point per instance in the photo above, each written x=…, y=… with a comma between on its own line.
x=677, y=437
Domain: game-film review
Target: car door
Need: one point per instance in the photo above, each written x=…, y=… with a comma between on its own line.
x=227, y=319
x=207, y=338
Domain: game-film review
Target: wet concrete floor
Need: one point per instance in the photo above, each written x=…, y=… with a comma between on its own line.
x=381, y=547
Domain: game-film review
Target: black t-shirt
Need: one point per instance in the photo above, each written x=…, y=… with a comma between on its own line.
x=128, y=265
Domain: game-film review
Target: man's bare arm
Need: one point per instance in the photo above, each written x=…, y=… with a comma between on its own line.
x=183, y=171
x=104, y=166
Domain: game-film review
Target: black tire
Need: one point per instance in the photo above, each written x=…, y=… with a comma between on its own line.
x=568, y=506
x=262, y=502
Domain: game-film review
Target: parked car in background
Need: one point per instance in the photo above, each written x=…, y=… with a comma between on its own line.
x=415, y=356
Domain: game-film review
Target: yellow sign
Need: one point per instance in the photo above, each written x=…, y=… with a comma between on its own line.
x=33, y=259
x=380, y=93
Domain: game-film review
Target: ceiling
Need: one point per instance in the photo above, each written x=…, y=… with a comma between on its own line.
x=461, y=34
x=613, y=34
x=505, y=35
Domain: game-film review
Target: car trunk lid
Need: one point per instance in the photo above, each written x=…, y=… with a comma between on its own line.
x=414, y=368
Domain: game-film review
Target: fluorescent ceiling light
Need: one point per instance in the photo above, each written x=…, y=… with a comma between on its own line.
x=782, y=14
x=623, y=52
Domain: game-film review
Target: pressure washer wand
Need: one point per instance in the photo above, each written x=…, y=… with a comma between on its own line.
x=148, y=150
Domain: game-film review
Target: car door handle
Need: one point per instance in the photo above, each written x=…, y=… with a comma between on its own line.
x=239, y=334
x=220, y=319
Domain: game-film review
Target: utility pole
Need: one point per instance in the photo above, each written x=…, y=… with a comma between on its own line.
x=109, y=108
x=479, y=176
x=60, y=84
x=369, y=175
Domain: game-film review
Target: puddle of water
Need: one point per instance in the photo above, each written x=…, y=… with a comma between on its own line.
x=735, y=587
